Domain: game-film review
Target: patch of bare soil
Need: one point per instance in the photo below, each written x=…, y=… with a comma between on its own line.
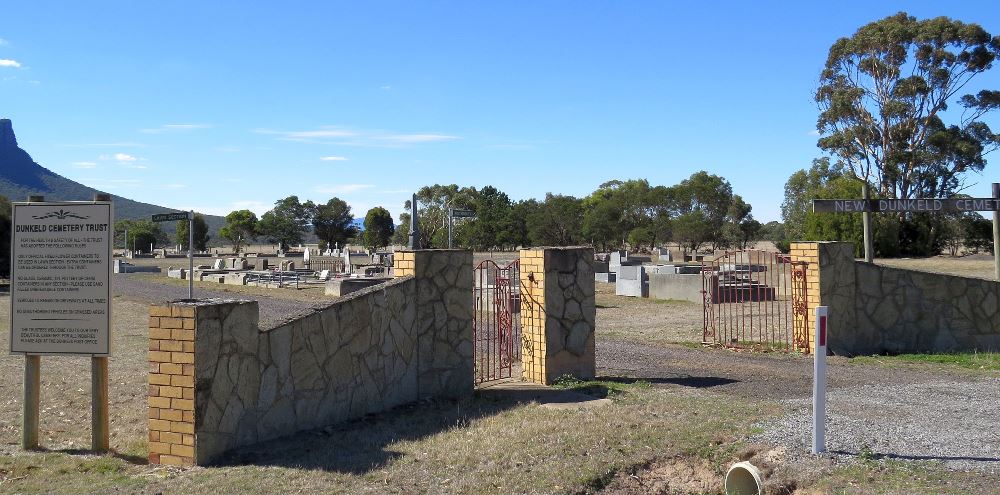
x=670, y=476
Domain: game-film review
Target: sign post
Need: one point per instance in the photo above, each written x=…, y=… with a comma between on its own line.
x=866, y=219
x=189, y=216
x=61, y=297
x=996, y=232
x=819, y=382
x=455, y=213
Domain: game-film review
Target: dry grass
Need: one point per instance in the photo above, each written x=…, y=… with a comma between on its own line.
x=646, y=320
x=976, y=266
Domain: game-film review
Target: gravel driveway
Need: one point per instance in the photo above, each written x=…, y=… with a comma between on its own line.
x=905, y=413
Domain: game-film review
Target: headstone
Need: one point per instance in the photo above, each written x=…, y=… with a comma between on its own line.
x=262, y=264
x=305, y=256
x=219, y=265
x=324, y=275
x=631, y=281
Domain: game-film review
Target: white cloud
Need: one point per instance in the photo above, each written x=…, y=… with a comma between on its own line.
x=174, y=128
x=84, y=164
x=418, y=138
x=3, y=42
x=351, y=137
x=385, y=87
x=6, y=62
x=333, y=158
x=342, y=188
x=122, y=157
x=813, y=132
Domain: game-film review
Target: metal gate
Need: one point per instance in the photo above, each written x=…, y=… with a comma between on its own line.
x=755, y=299
x=497, y=321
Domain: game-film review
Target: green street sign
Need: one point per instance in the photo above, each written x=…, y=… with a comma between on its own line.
x=170, y=217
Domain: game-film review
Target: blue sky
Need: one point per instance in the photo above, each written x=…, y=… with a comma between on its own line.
x=219, y=106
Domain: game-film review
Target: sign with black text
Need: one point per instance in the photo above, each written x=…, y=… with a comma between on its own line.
x=462, y=213
x=904, y=205
x=60, y=282
x=170, y=217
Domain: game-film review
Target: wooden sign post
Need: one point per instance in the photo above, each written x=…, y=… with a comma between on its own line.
x=866, y=206
x=61, y=298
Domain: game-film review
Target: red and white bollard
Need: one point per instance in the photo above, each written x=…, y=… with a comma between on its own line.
x=819, y=382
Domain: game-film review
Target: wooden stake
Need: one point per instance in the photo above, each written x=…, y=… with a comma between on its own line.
x=99, y=423
x=32, y=392
x=32, y=388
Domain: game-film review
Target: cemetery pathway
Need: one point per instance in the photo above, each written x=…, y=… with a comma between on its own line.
x=272, y=310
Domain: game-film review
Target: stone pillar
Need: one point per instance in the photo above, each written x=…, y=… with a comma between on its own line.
x=558, y=313
x=184, y=430
x=830, y=281
x=445, y=302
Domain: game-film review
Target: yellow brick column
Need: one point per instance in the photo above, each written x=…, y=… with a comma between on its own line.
x=532, y=281
x=808, y=252
x=171, y=385
x=403, y=263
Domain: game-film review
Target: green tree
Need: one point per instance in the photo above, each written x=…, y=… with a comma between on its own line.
x=240, y=228
x=556, y=222
x=493, y=226
x=201, y=236
x=883, y=95
x=701, y=205
x=287, y=222
x=978, y=234
x=692, y=230
x=142, y=235
x=640, y=237
x=333, y=222
x=5, y=233
x=378, y=228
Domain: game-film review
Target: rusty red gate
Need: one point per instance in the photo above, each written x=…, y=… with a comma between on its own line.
x=755, y=299
x=496, y=321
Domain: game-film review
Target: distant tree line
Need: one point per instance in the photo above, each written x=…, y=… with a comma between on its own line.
x=701, y=211
x=291, y=220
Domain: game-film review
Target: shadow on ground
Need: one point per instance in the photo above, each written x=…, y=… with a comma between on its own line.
x=681, y=380
x=364, y=445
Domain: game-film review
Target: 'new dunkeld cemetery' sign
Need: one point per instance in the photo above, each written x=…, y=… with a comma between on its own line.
x=61, y=278
x=904, y=205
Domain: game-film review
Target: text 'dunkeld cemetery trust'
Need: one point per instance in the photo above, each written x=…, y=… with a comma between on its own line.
x=61, y=278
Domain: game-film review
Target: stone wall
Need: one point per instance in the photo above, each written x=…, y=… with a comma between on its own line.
x=407, y=339
x=558, y=313
x=877, y=309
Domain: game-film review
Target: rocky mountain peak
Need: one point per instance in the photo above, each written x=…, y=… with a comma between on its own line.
x=7, y=138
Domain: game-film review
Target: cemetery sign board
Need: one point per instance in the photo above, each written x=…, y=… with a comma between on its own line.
x=61, y=278
x=905, y=205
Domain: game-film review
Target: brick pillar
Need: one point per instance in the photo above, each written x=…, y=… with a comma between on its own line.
x=831, y=282
x=403, y=263
x=557, y=313
x=171, y=385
